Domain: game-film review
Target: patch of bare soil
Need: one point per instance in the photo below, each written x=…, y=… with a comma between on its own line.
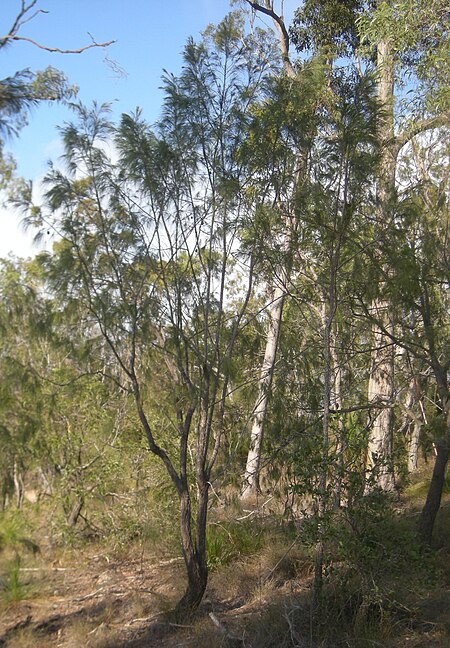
x=95, y=601
x=90, y=601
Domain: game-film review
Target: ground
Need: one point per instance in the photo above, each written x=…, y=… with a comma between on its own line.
x=94, y=597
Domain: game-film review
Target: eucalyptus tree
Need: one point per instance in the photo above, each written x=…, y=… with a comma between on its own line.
x=343, y=170
x=394, y=40
x=419, y=284
x=148, y=244
x=277, y=152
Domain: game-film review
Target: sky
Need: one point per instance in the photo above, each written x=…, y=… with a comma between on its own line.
x=150, y=36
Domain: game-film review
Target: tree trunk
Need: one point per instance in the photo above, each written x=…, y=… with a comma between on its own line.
x=414, y=444
x=251, y=477
x=194, y=553
x=379, y=464
x=433, y=501
x=75, y=511
x=18, y=485
x=340, y=441
x=328, y=314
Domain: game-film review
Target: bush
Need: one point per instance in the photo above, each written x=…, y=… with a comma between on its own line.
x=228, y=541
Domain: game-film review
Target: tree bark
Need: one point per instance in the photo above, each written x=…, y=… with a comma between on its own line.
x=433, y=501
x=414, y=444
x=75, y=511
x=413, y=424
x=251, y=477
x=18, y=485
x=194, y=553
x=379, y=464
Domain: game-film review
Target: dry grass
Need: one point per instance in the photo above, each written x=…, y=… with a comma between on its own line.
x=101, y=596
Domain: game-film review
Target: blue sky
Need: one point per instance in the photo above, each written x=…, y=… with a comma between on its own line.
x=150, y=36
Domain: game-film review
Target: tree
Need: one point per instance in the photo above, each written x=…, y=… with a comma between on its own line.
x=420, y=284
x=382, y=35
x=277, y=150
x=147, y=246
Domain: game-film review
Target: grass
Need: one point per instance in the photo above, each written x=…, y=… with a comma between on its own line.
x=259, y=587
x=229, y=541
x=12, y=588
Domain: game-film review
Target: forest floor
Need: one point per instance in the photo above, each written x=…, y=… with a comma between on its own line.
x=91, y=598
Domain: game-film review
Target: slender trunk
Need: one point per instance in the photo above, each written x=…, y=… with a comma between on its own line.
x=379, y=466
x=328, y=314
x=340, y=443
x=251, y=476
x=433, y=501
x=194, y=553
x=413, y=424
x=75, y=511
x=414, y=444
x=18, y=485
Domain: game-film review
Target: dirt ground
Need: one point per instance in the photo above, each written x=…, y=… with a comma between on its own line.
x=90, y=598
x=96, y=601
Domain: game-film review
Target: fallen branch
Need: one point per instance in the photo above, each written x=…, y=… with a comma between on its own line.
x=222, y=628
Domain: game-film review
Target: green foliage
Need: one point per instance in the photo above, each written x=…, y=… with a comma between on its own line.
x=328, y=25
x=228, y=541
x=14, y=542
x=14, y=533
x=372, y=564
x=418, y=34
x=12, y=589
x=143, y=329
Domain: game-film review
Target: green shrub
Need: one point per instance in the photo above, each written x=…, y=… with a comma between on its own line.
x=12, y=588
x=228, y=541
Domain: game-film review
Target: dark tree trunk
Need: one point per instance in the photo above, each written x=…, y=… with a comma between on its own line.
x=433, y=502
x=75, y=511
x=194, y=553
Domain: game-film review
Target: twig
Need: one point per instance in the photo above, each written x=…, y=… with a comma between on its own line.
x=222, y=628
x=88, y=596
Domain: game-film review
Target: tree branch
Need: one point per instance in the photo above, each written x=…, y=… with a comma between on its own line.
x=22, y=18
x=55, y=49
x=420, y=126
x=283, y=35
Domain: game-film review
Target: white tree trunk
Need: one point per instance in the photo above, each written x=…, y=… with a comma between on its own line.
x=379, y=466
x=18, y=485
x=251, y=477
x=414, y=444
x=415, y=418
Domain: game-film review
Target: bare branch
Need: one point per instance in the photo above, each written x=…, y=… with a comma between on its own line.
x=56, y=49
x=283, y=35
x=22, y=19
